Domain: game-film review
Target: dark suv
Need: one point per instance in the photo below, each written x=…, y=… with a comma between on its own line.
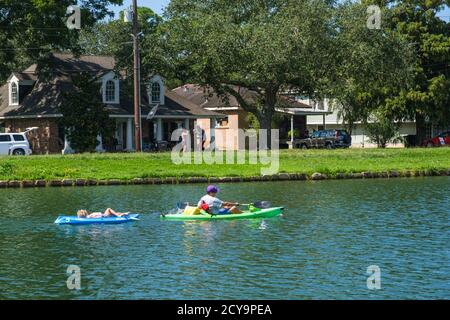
x=329, y=139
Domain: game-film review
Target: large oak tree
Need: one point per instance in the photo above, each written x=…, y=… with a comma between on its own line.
x=267, y=46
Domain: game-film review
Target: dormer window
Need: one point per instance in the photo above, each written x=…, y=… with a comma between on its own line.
x=110, y=91
x=156, y=92
x=110, y=88
x=14, y=94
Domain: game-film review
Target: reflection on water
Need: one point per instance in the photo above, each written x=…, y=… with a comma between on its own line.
x=320, y=248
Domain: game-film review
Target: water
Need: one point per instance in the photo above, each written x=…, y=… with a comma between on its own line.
x=320, y=249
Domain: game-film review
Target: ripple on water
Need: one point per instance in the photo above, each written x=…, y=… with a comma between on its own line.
x=319, y=249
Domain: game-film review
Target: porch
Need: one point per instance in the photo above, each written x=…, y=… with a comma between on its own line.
x=297, y=123
x=155, y=133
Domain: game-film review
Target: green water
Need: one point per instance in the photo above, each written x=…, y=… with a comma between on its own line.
x=320, y=249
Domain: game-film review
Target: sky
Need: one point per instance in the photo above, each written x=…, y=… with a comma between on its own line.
x=155, y=5
x=158, y=5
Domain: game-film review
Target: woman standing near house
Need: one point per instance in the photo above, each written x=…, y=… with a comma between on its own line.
x=184, y=139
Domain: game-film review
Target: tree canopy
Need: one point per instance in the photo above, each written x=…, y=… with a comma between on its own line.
x=371, y=65
x=29, y=29
x=113, y=38
x=274, y=47
x=267, y=46
x=429, y=37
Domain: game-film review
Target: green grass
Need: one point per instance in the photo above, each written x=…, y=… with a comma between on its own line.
x=129, y=166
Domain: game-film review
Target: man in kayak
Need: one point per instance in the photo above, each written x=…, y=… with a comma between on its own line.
x=214, y=205
x=108, y=213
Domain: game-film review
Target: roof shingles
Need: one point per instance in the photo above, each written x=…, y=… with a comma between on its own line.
x=46, y=97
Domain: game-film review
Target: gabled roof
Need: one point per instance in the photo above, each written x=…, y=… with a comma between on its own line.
x=23, y=76
x=208, y=99
x=46, y=96
x=178, y=106
x=67, y=63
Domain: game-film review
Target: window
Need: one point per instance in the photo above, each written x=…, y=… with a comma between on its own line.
x=18, y=137
x=156, y=92
x=5, y=138
x=220, y=123
x=14, y=93
x=110, y=91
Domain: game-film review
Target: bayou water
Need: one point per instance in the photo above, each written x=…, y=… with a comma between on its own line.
x=330, y=233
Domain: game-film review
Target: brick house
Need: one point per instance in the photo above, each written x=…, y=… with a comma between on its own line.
x=235, y=117
x=30, y=100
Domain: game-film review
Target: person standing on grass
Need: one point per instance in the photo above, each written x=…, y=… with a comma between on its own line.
x=184, y=139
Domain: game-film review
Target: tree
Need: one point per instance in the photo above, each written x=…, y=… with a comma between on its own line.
x=113, y=38
x=429, y=38
x=371, y=65
x=84, y=115
x=266, y=46
x=30, y=29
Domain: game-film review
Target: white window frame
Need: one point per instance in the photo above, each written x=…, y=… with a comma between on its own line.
x=152, y=90
x=156, y=79
x=110, y=76
x=11, y=102
x=108, y=97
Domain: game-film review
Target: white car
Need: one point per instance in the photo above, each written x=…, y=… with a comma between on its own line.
x=14, y=144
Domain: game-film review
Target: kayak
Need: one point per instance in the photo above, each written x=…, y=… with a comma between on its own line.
x=73, y=220
x=260, y=213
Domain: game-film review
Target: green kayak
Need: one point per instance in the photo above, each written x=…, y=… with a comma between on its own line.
x=260, y=213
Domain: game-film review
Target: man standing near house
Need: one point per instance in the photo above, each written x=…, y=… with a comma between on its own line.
x=200, y=138
x=203, y=139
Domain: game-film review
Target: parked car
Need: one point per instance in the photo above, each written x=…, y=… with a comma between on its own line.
x=329, y=139
x=439, y=141
x=14, y=144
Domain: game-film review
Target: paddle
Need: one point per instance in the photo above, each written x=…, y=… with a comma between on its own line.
x=260, y=204
x=182, y=205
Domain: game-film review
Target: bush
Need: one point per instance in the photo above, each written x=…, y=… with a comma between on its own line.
x=383, y=131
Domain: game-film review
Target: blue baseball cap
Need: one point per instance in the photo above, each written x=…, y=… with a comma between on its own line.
x=212, y=189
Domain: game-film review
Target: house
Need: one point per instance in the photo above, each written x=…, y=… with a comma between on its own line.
x=30, y=100
x=360, y=139
x=294, y=115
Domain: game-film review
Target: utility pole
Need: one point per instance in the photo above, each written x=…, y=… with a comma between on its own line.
x=137, y=96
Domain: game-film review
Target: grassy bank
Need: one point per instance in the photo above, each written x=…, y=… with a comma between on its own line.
x=130, y=166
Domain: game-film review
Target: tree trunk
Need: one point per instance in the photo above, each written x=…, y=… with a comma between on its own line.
x=420, y=129
x=265, y=123
x=265, y=116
